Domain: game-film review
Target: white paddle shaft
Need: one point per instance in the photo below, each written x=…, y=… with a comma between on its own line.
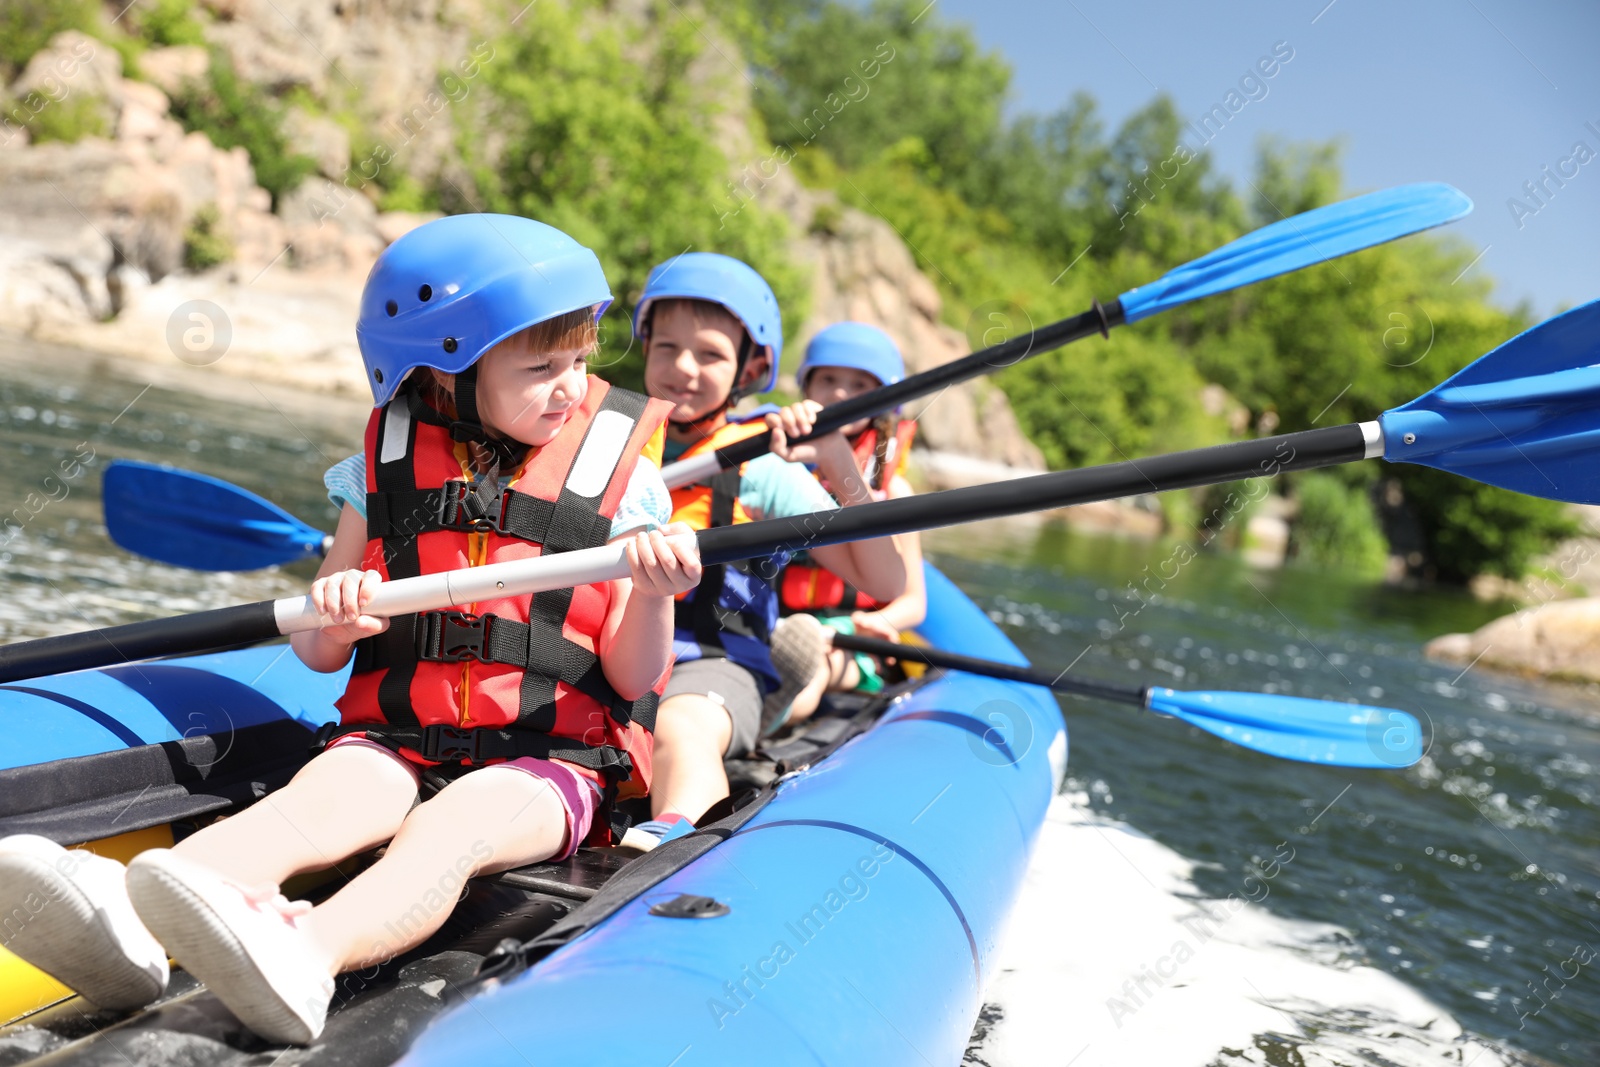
x=700, y=468
x=435, y=592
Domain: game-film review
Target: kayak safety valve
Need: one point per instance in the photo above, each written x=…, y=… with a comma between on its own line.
x=690, y=906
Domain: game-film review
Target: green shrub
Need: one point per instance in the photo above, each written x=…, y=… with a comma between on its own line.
x=71, y=119
x=606, y=135
x=1337, y=528
x=1221, y=513
x=167, y=22
x=405, y=193
x=1473, y=528
x=27, y=26
x=236, y=113
x=205, y=244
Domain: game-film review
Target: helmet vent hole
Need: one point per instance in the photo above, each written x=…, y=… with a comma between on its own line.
x=425, y=294
x=392, y=308
x=449, y=342
x=378, y=374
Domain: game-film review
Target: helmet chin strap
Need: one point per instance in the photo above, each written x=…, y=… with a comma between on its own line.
x=468, y=426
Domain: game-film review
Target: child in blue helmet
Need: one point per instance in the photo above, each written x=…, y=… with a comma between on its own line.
x=488, y=442
x=711, y=334
x=843, y=361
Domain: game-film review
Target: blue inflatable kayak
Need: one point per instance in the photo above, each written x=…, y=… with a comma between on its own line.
x=845, y=910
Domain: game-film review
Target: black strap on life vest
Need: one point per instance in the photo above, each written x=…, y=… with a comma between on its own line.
x=456, y=636
x=473, y=507
x=539, y=647
x=471, y=747
x=704, y=615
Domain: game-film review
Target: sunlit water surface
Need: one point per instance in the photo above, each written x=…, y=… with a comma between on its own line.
x=1471, y=877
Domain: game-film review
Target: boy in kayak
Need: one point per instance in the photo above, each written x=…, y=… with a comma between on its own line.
x=712, y=334
x=528, y=715
x=842, y=361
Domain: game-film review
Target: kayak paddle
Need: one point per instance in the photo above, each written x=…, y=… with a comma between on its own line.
x=1289, y=244
x=1524, y=417
x=197, y=521
x=1297, y=728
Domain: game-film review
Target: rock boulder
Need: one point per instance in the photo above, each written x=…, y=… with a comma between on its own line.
x=1558, y=640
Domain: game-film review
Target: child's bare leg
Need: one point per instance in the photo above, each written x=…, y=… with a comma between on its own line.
x=346, y=800
x=808, y=699
x=490, y=820
x=692, y=732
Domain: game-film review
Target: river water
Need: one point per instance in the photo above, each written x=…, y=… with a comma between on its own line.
x=1471, y=880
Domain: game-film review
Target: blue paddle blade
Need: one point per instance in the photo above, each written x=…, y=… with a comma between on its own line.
x=1311, y=731
x=196, y=521
x=1526, y=416
x=1300, y=241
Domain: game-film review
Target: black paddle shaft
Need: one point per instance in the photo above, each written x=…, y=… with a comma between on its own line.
x=1265, y=457
x=226, y=627
x=217, y=628
x=1097, y=320
x=1120, y=694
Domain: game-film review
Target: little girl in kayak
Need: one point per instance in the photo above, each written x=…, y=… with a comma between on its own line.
x=842, y=361
x=712, y=334
x=529, y=715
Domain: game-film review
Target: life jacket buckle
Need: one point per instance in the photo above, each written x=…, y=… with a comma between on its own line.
x=450, y=744
x=452, y=636
x=469, y=510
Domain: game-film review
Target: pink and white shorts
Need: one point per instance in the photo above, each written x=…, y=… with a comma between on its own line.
x=580, y=796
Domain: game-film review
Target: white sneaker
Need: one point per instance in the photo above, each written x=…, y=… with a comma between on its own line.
x=66, y=911
x=253, y=956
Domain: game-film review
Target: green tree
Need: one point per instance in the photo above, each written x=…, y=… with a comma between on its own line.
x=606, y=134
x=853, y=81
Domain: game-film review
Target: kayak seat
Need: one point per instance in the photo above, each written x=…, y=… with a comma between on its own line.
x=86, y=798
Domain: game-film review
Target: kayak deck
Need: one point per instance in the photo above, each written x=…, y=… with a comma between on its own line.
x=376, y=1013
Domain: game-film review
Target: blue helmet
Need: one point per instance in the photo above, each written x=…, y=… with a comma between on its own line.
x=450, y=290
x=721, y=280
x=857, y=346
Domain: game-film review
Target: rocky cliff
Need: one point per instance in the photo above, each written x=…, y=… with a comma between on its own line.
x=154, y=243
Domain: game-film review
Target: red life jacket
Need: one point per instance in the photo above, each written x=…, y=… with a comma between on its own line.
x=804, y=586
x=514, y=676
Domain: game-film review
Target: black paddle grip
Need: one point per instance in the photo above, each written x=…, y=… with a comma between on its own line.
x=869, y=405
x=217, y=628
x=1266, y=457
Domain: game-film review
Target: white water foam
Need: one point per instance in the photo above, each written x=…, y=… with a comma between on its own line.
x=1114, y=958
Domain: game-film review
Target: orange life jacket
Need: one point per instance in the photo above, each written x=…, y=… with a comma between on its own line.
x=517, y=675
x=804, y=586
x=731, y=613
x=693, y=503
